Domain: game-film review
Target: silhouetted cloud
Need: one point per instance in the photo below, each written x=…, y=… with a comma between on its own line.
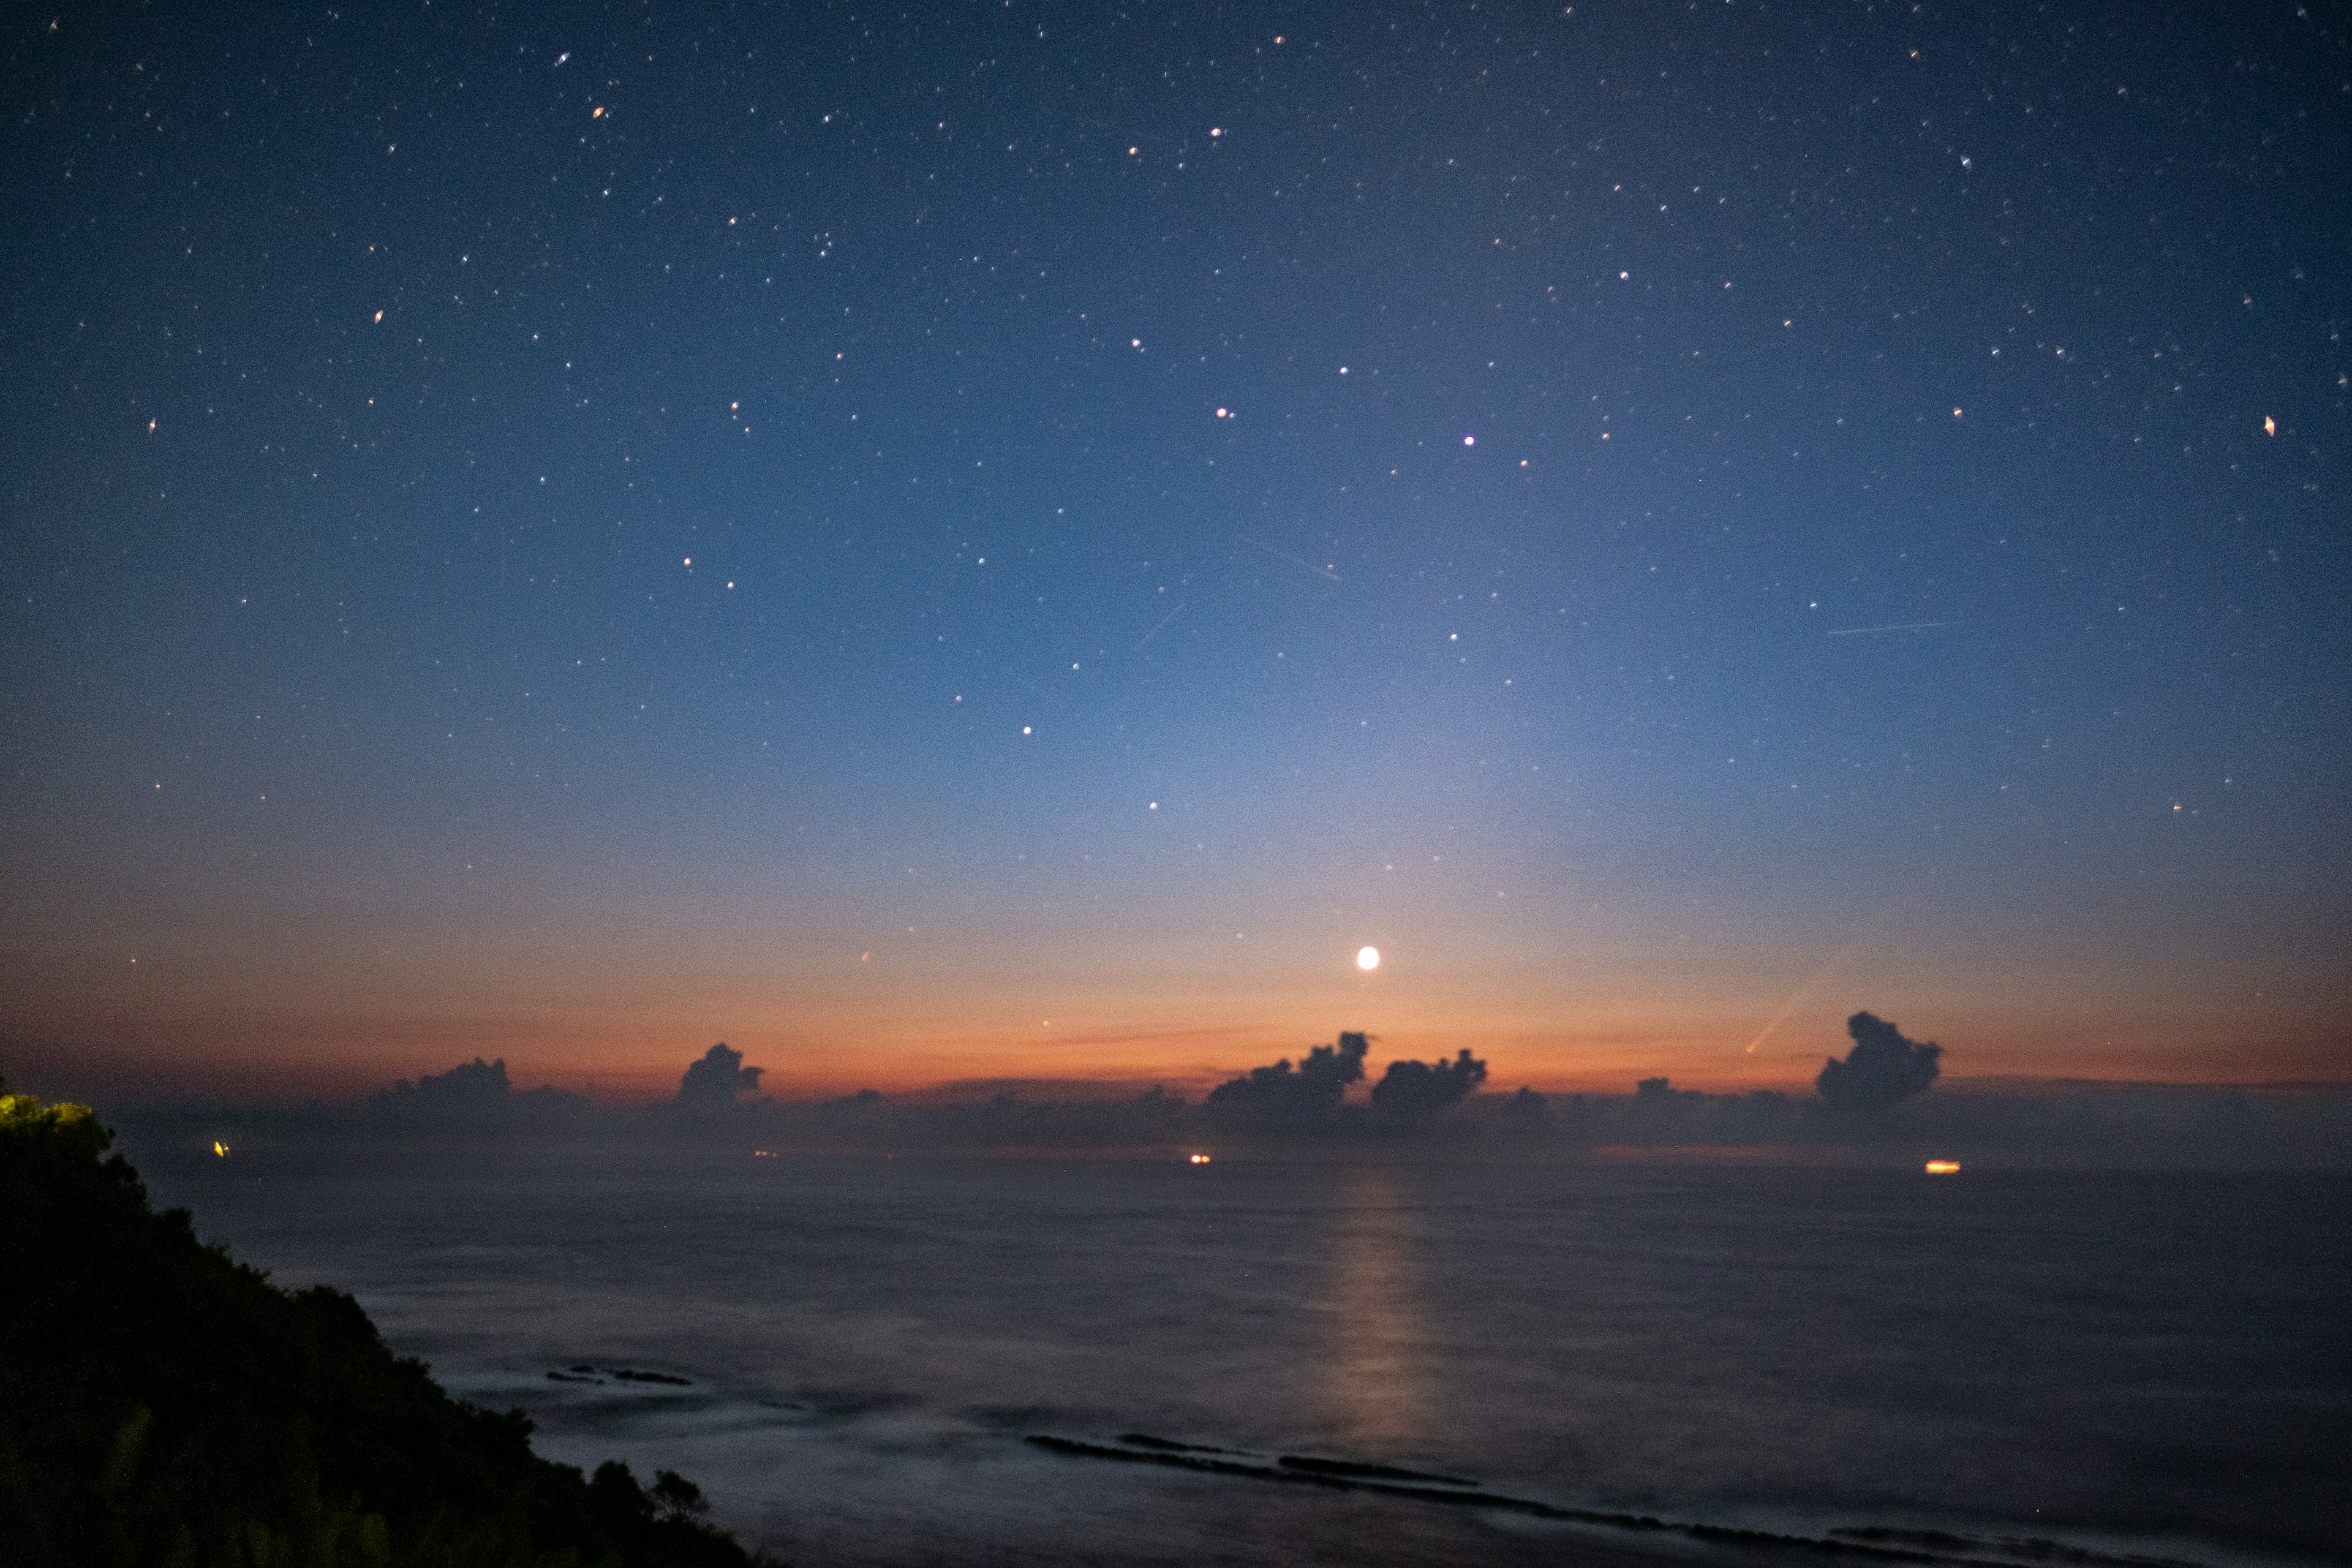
x=469, y=1091
x=1658, y=1094
x=872, y=1122
x=718, y=1078
x=1010, y=1120
x=468, y=1086
x=1413, y=1092
x=1283, y=1096
x=1524, y=1114
x=1441, y=1107
x=1883, y=1068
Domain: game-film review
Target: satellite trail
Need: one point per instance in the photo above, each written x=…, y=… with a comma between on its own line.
x=1156, y=626
x=1905, y=626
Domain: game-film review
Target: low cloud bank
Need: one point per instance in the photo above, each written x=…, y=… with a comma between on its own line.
x=475, y=1092
x=1879, y=1102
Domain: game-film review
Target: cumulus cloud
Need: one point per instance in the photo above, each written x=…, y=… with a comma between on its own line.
x=1883, y=1068
x=1660, y=1094
x=718, y=1078
x=1413, y=1092
x=1524, y=1112
x=1284, y=1095
x=475, y=1085
x=471, y=1091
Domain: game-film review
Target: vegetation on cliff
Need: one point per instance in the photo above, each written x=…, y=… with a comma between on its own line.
x=161, y=1404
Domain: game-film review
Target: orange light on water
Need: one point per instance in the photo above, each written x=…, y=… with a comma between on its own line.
x=1943, y=1167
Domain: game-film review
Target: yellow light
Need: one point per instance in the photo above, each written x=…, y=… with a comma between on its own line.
x=220, y=1148
x=1200, y=1159
x=1943, y=1167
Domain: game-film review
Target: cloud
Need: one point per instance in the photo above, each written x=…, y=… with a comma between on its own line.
x=1871, y=1110
x=1524, y=1114
x=1980, y=1122
x=1414, y=1092
x=1283, y=1096
x=472, y=1091
x=1657, y=1096
x=1007, y=1120
x=718, y=1078
x=476, y=1085
x=1882, y=1069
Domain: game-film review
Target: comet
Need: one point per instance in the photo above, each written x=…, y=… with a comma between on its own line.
x=1286, y=555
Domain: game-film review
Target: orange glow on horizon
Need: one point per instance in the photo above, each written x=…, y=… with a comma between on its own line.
x=205, y=1024
x=625, y=1065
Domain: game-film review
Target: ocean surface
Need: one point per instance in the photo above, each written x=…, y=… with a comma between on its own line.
x=851, y=1356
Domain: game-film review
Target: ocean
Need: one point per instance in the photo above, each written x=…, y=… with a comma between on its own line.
x=854, y=1357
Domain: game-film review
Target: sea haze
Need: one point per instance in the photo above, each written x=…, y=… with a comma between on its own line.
x=2120, y=1362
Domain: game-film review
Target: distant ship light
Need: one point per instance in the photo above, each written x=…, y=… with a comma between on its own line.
x=1943, y=1167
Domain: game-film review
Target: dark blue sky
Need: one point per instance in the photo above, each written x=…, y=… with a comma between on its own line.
x=577, y=532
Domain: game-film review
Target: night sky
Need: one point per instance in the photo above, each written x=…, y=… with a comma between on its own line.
x=1010, y=540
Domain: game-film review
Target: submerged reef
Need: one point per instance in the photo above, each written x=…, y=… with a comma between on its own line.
x=162, y=1404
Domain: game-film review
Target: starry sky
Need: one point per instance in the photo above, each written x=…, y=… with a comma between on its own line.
x=1008, y=540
